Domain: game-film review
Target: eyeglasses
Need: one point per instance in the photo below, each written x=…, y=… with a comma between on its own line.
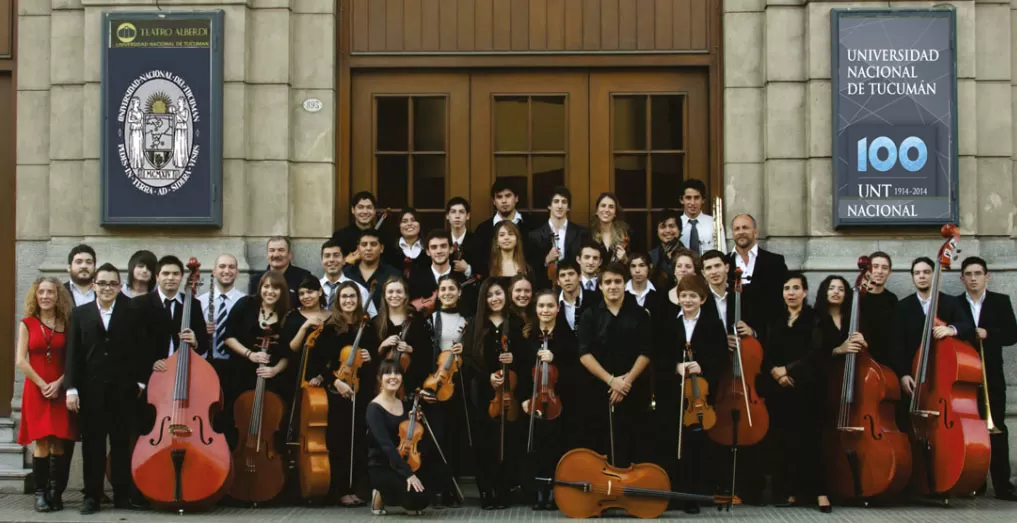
x=107, y=284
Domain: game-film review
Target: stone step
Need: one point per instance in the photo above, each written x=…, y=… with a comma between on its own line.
x=15, y=481
x=12, y=456
x=7, y=434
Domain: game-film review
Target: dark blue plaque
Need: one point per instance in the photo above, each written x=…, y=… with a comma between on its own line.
x=161, y=157
x=894, y=117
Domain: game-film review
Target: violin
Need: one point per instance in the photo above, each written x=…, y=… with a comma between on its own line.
x=865, y=454
x=504, y=404
x=410, y=434
x=552, y=268
x=698, y=412
x=354, y=257
x=350, y=360
x=951, y=441
x=586, y=485
x=441, y=385
x=258, y=472
x=545, y=376
x=183, y=462
x=395, y=354
x=310, y=457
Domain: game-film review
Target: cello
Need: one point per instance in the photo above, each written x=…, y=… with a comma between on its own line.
x=951, y=441
x=183, y=463
x=865, y=454
x=258, y=471
x=586, y=485
x=545, y=376
x=309, y=451
x=504, y=404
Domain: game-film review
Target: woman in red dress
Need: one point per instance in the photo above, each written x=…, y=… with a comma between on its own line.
x=44, y=417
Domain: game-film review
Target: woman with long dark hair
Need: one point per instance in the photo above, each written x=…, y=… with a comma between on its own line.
x=608, y=228
x=140, y=274
x=407, y=252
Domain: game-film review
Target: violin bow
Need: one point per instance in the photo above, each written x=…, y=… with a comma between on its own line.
x=610, y=426
x=681, y=402
x=459, y=492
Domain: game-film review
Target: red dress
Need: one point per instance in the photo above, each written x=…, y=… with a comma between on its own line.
x=41, y=417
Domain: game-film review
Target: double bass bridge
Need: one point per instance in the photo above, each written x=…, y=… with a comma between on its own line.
x=179, y=430
x=926, y=413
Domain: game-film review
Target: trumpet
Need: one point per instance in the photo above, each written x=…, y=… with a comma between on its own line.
x=993, y=429
x=719, y=236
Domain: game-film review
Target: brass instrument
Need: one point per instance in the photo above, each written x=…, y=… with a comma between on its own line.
x=993, y=429
x=719, y=236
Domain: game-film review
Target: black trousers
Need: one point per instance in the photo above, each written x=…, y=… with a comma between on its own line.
x=999, y=467
x=107, y=411
x=392, y=487
x=338, y=435
x=441, y=420
x=793, y=441
x=633, y=427
x=492, y=473
x=548, y=447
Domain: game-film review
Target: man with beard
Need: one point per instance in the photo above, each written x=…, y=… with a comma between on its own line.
x=81, y=267
x=332, y=262
x=363, y=207
x=222, y=297
x=370, y=272
x=505, y=200
x=280, y=259
x=762, y=273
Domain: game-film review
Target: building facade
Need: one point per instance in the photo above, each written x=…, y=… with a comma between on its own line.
x=422, y=100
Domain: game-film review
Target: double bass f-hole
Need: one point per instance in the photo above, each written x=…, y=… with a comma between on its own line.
x=201, y=431
x=162, y=427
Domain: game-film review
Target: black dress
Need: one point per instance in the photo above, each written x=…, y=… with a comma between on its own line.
x=385, y=468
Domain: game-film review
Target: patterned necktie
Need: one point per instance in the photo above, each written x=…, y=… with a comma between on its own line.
x=220, y=329
x=331, y=294
x=694, y=236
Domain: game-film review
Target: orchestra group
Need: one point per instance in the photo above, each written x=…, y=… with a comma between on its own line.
x=422, y=357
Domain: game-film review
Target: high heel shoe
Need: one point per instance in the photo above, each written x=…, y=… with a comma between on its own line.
x=487, y=500
x=827, y=508
x=377, y=504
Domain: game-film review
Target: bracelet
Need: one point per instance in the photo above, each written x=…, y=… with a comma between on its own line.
x=248, y=355
x=610, y=381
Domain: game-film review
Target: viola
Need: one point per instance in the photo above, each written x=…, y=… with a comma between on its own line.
x=951, y=441
x=697, y=410
x=395, y=354
x=552, y=268
x=353, y=258
x=545, y=376
x=441, y=384
x=351, y=361
x=586, y=485
x=737, y=400
x=183, y=463
x=258, y=471
x=410, y=434
x=865, y=454
x=504, y=404
x=310, y=451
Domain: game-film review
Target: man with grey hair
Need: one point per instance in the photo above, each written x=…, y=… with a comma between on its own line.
x=280, y=259
x=762, y=273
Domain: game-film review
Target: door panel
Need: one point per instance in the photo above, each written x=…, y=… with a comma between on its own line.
x=411, y=140
x=649, y=134
x=533, y=129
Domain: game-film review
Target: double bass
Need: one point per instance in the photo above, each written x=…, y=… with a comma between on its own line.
x=951, y=441
x=865, y=454
x=183, y=463
x=308, y=447
x=259, y=472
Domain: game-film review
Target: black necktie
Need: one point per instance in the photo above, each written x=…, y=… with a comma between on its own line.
x=694, y=236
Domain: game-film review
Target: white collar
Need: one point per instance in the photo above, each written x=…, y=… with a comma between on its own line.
x=325, y=281
x=630, y=290
x=404, y=245
x=718, y=296
x=460, y=239
x=698, y=217
x=564, y=225
x=579, y=298
x=437, y=274
x=104, y=311
x=162, y=297
x=979, y=301
x=681, y=314
x=516, y=218
x=923, y=301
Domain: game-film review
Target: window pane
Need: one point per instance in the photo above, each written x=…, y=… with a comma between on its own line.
x=629, y=123
x=393, y=180
x=667, y=121
x=393, y=123
x=430, y=221
x=510, y=123
x=513, y=169
x=429, y=181
x=429, y=124
x=630, y=181
x=548, y=123
x=637, y=230
x=667, y=179
x=548, y=173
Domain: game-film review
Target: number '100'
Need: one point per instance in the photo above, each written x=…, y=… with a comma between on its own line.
x=868, y=154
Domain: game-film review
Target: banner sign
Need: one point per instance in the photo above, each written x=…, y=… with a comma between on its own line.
x=161, y=157
x=894, y=74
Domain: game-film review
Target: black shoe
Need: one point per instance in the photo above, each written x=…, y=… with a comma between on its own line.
x=125, y=503
x=40, y=473
x=501, y=499
x=450, y=499
x=551, y=504
x=692, y=507
x=89, y=506
x=981, y=490
x=487, y=500
x=1007, y=495
x=539, y=503
x=826, y=509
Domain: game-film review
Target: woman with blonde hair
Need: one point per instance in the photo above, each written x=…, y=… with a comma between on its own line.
x=609, y=229
x=507, y=256
x=44, y=418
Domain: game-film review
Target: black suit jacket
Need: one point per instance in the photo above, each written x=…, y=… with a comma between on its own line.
x=910, y=321
x=541, y=242
x=997, y=318
x=422, y=283
x=587, y=300
x=484, y=235
x=154, y=328
x=97, y=355
x=711, y=307
x=762, y=296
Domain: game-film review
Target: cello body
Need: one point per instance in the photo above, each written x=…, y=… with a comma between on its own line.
x=312, y=460
x=259, y=469
x=732, y=428
x=608, y=484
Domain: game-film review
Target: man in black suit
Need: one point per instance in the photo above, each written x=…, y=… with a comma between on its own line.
x=505, y=200
x=159, y=332
x=910, y=319
x=558, y=239
x=103, y=380
x=573, y=299
x=763, y=273
x=81, y=267
x=718, y=301
x=465, y=247
x=280, y=259
x=995, y=327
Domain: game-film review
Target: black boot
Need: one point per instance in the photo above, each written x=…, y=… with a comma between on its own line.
x=57, y=482
x=40, y=472
x=538, y=503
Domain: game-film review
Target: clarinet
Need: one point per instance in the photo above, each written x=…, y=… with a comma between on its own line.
x=212, y=313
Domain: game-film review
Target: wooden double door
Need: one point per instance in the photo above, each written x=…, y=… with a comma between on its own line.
x=418, y=139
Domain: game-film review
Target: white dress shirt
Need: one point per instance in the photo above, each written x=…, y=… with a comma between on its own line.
x=232, y=297
x=584, y=283
x=690, y=324
x=459, y=241
x=560, y=244
x=438, y=275
x=570, y=308
x=81, y=298
x=704, y=224
x=976, y=306
x=410, y=251
x=641, y=296
x=747, y=268
x=516, y=218
x=721, y=302
x=925, y=303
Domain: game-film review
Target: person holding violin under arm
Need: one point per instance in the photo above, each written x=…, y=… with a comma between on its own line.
x=391, y=478
x=400, y=329
x=549, y=437
x=614, y=347
x=494, y=345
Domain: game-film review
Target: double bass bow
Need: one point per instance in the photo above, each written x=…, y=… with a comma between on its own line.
x=258, y=473
x=545, y=376
x=183, y=463
x=504, y=404
x=865, y=454
x=309, y=451
x=951, y=454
